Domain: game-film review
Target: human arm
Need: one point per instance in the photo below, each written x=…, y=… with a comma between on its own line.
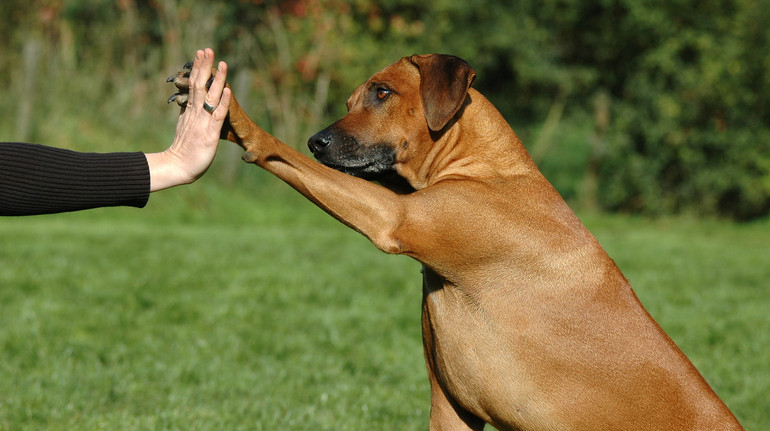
x=37, y=179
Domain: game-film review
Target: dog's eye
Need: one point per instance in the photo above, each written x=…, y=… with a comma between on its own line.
x=382, y=93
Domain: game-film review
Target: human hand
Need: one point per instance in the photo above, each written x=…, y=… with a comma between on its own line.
x=197, y=130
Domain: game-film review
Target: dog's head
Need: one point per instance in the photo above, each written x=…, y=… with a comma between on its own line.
x=395, y=115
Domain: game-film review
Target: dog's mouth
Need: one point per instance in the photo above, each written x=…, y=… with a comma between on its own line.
x=344, y=153
x=371, y=165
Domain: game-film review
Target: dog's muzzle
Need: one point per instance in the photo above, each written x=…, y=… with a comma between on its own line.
x=340, y=151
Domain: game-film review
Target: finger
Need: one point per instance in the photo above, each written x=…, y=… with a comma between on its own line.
x=215, y=91
x=203, y=75
x=224, y=103
x=194, y=73
x=220, y=114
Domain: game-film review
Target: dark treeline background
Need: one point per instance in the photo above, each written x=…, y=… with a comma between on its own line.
x=652, y=107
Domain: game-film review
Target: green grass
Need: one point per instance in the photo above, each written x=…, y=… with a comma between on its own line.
x=255, y=310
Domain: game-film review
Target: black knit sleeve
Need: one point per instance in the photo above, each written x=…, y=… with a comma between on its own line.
x=35, y=179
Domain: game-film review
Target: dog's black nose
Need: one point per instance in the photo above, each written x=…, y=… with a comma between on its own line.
x=318, y=142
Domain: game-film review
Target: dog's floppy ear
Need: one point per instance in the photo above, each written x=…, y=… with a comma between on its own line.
x=444, y=83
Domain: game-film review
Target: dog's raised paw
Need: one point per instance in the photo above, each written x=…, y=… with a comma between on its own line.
x=182, y=82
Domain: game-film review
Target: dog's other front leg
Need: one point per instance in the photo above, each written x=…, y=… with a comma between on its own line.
x=445, y=413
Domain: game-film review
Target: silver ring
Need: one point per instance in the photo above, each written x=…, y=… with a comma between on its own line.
x=208, y=107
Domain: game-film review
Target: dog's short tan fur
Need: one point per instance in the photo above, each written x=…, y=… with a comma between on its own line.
x=527, y=323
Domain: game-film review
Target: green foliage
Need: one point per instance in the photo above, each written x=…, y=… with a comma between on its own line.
x=691, y=130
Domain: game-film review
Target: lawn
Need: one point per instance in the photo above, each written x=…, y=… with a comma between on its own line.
x=257, y=311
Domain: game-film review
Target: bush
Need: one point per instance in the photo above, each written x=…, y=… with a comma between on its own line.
x=691, y=132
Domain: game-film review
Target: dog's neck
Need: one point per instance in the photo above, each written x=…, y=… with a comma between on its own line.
x=463, y=150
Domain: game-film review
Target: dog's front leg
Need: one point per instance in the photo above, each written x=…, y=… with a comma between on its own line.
x=368, y=208
x=447, y=416
x=445, y=413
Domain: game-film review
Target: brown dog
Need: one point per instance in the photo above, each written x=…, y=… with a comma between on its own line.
x=527, y=323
